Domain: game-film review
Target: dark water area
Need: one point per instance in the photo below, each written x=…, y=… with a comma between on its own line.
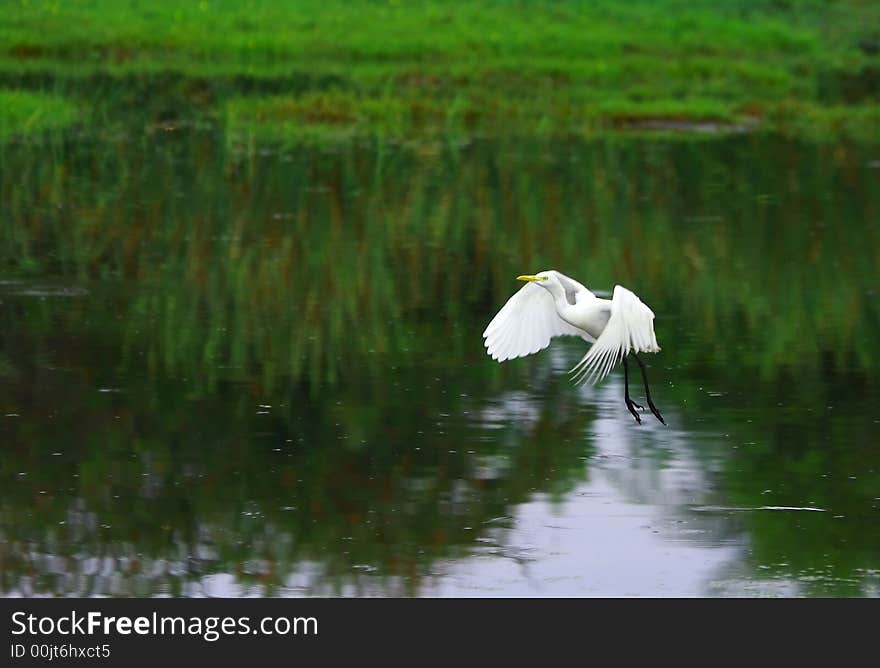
x=232, y=371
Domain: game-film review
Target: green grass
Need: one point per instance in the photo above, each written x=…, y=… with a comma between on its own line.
x=342, y=69
x=860, y=123
x=24, y=113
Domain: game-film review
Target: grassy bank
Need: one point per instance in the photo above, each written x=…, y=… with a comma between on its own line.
x=337, y=68
x=27, y=113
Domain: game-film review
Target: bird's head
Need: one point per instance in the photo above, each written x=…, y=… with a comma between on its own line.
x=557, y=284
x=542, y=278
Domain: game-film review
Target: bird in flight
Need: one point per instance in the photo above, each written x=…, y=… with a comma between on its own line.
x=552, y=304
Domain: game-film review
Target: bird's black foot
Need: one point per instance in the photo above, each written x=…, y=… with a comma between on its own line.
x=632, y=409
x=656, y=412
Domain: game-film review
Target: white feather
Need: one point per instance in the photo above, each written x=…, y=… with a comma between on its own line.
x=630, y=329
x=525, y=325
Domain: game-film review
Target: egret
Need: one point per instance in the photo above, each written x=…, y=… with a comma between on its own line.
x=551, y=304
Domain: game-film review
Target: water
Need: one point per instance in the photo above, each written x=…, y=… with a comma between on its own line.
x=259, y=372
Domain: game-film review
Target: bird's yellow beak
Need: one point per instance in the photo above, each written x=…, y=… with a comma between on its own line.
x=531, y=277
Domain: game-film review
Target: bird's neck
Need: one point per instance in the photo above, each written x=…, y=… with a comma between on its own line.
x=565, y=301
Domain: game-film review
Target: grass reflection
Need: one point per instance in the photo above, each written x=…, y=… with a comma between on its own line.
x=301, y=264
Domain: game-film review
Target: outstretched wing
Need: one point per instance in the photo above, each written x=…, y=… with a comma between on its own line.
x=630, y=328
x=525, y=325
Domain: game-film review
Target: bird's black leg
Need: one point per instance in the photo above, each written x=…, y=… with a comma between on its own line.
x=631, y=406
x=648, y=391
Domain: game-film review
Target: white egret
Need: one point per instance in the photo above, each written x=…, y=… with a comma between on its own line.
x=552, y=304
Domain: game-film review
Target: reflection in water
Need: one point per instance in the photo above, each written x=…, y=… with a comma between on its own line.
x=624, y=530
x=228, y=374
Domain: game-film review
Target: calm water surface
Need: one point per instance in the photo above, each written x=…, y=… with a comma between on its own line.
x=230, y=372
